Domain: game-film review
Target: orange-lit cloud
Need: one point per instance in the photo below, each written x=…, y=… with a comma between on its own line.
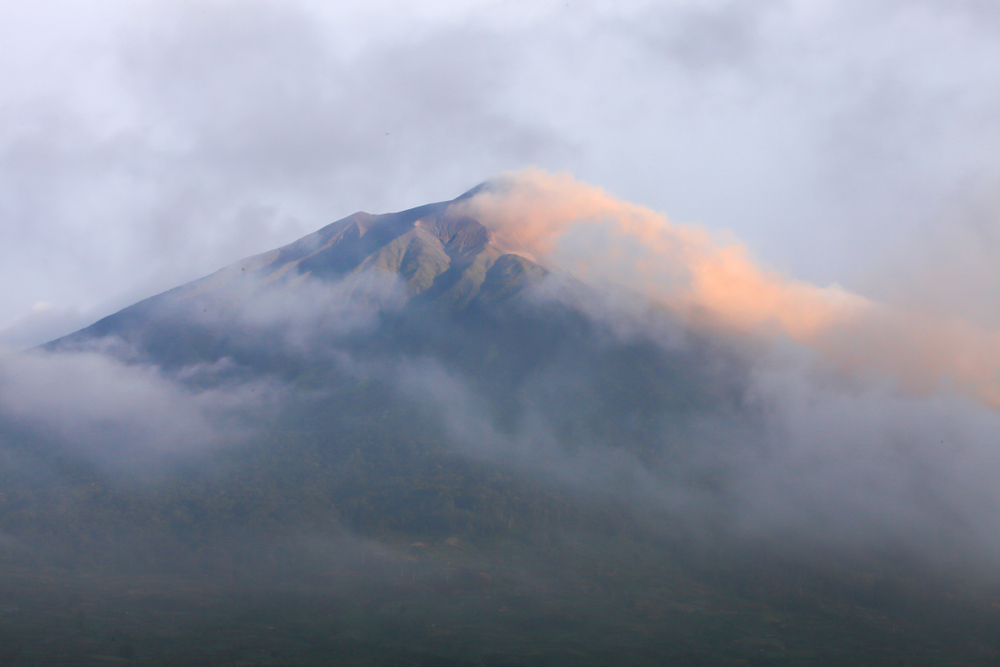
x=715, y=282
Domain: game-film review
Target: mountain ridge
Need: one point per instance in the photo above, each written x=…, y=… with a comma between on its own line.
x=435, y=256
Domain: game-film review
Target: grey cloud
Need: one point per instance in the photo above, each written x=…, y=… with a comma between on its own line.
x=123, y=416
x=43, y=323
x=705, y=37
x=241, y=128
x=952, y=270
x=807, y=462
x=311, y=314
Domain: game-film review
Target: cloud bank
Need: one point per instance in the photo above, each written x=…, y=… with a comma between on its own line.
x=125, y=416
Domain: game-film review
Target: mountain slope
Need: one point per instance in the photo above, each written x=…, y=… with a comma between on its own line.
x=437, y=259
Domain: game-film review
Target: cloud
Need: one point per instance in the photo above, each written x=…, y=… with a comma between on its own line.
x=145, y=144
x=861, y=469
x=583, y=230
x=802, y=461
x=125, y=416
x=951, y=273
x=597, y=237
x=127, y=407
x=43, y=323
x=197, y=134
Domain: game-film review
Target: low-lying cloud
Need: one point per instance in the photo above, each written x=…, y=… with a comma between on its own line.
x=126, y=415
x=807, y=462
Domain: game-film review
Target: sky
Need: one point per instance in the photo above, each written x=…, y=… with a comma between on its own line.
x=145, y=144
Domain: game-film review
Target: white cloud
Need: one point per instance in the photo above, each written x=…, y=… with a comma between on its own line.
x=121, y=415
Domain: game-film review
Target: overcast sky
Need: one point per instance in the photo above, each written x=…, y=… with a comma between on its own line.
x=144, y=144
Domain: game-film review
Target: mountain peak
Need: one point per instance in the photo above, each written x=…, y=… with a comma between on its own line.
x=439, y=256
x=436, y=253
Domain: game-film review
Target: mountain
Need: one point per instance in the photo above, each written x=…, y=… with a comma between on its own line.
x=397, y=441
x=433, y=286
x=434, y=257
